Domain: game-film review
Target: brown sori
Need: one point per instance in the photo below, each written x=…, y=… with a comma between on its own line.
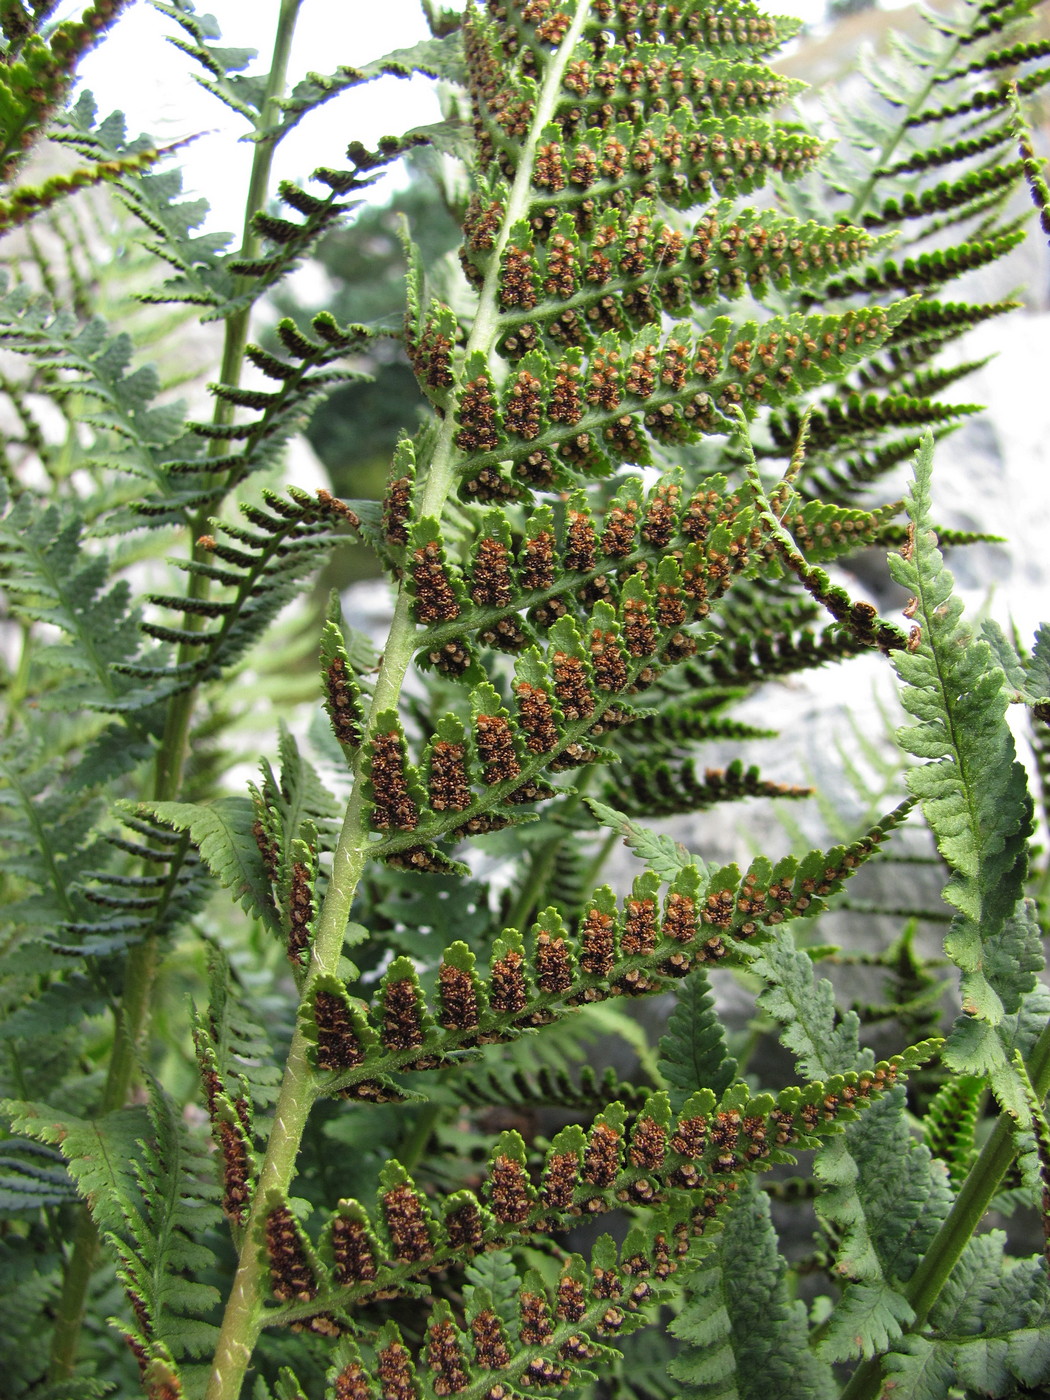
x=448, y=785
x=553, y=966
x=337, y=1044
x=495, y=741
x=446, y=1359
x=641, y=376
x=268, y=849
x=670, y=605
x=353, y=1257
x=517, y=286
x=402, y=1027
x=523, y=406
x=536, y=717
x=560, y=1175
x=406, y=1224
x=490, y=1344
x=561, y=270
x=566, y=404
x=660, y=515
x=606, y=1284
x=508, y=992
x=353, y=1383
x=680, y=922
x=396, y=506
x=477, y=417
x=300, y=913
x=435, y=597
x=491, y=583
x=603, y=382
x=291, y=1277
x=508, y=1191
x=601, y=1158
x=581, y=543
x=572, y=1300
x=639, y=634
x=459, y=1000
x=464, y=1228
x=537, y=561
x=648, y=1144
x=482, y=224
x=639, y=932
x=618, y=536
x=597, y=938
x=571, y=687
x=634, y=246
x=236, y=1173
x=342, y=705
x=547, y=172
x=396, y=1373
x=392, y=806
x=610, y=669
x=690, y=1137
x=536, y=1327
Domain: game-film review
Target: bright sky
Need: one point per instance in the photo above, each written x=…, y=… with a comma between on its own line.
x=123, y=74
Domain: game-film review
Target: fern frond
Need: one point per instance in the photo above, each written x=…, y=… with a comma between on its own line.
x=50, y=831
x=742, y=1331
x=439, y=57
x=261, y=567
x=159, y=1244
x=988, y=1329
x=661, y=789
x=711, y=1142
x=124, y=909
x=948, y=1127
x=1034, y=169
x=847, y=423
x=100, y=1154
x=947, y=195
x=27, y=201
x=706, y=919
x=693, y=1052
x=954, y=688
x=547, y=1087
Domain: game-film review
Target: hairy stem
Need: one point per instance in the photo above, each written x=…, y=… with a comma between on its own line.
x=982, y=1182
x=242, y=1319
x=142, y=962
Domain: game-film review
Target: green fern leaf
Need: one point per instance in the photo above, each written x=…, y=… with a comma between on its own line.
x=920, y=1370
x=745, y=1337
x=822, y=1042
x=881, y=1194
x=223, y=832
x=973, y=792
x=869, y=1317
x=100, y=1153
x=665, y=856
x=693, y=1053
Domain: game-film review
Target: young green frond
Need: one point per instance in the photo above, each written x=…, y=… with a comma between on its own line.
x=955, y=690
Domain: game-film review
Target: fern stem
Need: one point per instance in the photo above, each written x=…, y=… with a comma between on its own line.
x=982, y=1182
x=143, y=960
x=414, y=1143
x=242, y=1319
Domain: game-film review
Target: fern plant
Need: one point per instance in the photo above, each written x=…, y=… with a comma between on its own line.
x=364, y=1166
